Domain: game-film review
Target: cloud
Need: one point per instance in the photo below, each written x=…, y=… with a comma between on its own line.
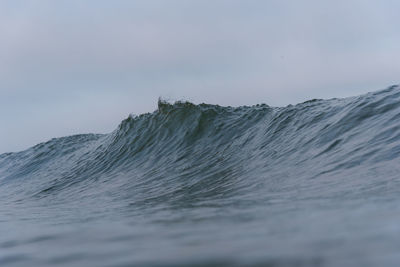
x=62, y=58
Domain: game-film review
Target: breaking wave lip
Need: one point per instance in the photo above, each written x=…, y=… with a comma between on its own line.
x=207, y=151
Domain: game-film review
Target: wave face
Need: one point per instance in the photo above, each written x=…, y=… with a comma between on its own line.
x=315, y=184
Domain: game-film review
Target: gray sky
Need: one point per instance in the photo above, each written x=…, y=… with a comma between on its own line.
x=76, y=66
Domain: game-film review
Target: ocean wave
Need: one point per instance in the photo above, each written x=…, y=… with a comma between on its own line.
x=186, y=146
x=214, y=163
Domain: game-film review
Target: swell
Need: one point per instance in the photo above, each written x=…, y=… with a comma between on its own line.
x=184, y=153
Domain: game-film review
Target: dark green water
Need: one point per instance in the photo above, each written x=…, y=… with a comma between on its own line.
x=315, y=184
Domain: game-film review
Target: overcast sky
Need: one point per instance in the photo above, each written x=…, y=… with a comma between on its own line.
x=69, y=67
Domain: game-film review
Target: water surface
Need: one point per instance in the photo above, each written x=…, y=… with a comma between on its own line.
x=314, y=184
